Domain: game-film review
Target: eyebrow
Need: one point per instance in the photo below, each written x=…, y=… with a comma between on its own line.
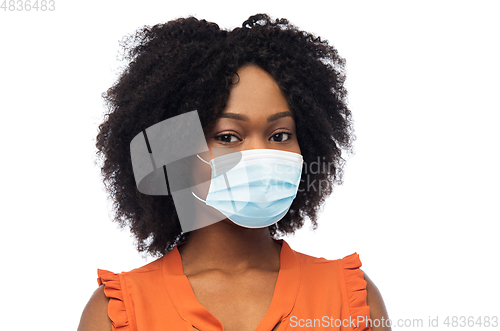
x=245, y=118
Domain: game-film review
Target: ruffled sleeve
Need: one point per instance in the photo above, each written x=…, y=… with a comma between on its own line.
x=356, y=291
x=116, y=306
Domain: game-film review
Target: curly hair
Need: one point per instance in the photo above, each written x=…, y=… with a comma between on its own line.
x=189, y=64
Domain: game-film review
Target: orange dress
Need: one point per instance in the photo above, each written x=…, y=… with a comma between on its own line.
x=310, y=294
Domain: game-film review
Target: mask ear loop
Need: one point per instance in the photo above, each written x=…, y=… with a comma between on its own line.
x=197, y=197
x=227, y=185
x=201, y=159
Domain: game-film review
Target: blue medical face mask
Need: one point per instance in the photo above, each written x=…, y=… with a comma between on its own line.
x=259, y=190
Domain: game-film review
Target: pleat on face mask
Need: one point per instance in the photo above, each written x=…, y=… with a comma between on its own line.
x=259, y=190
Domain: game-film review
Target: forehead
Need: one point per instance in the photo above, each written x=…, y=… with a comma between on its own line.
x=256, y=90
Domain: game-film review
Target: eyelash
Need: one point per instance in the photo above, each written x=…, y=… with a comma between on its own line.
x=218, y=137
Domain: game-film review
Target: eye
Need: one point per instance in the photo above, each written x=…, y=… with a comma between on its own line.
x=281, y=136
x=227, y=138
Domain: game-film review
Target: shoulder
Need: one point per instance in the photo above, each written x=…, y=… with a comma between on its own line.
x=378, y=311
x=107, y=304
x=361, y=290
x=151, y=267
x=309, y=259
x=95, y=315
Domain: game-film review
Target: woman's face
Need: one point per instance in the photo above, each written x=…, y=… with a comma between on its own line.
x=257, y=116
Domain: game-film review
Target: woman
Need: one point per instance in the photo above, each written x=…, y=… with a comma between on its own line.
x=272, y=95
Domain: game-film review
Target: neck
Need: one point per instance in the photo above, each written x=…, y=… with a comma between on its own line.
x=228, y=247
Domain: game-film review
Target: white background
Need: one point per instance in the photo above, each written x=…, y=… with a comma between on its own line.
x=420, y=199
